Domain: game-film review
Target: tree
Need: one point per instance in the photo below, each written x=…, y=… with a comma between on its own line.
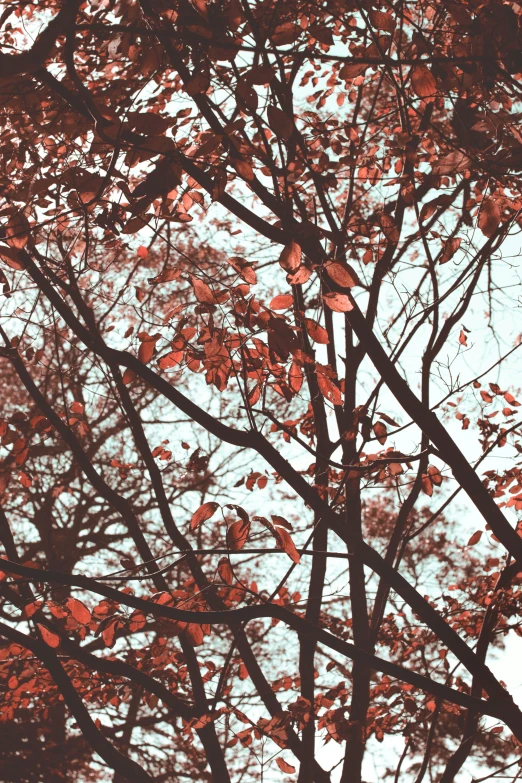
x=260, y=450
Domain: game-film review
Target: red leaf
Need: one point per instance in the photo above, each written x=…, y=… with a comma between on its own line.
x=11, y=257
x=237, y=535
x=282, y=302
x=329, y=390
x=381, y=432
x=225, y=571
x=342, y=274
x=423, y=82
x=50, y=638
x=475, y=538
x=194, y=634
x=339, y=303
x=489, y=217
x=290, y=258
x=284, y=766
x=170, y=360
x=109, y=632
x=383, y=21
x=202, y=291
x=78, y=610
x=128, y=376
x=451, y=246
x=284, y=541
x=427, y=485
x=295, y=377
x=260, y=74
x=317, y=333
x=146, y=351
x=17, y=232
x=203, y=513
x=137, y=621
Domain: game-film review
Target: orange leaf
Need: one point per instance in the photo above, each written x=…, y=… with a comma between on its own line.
x=50, y=638
x=203, y=513
x=435, y=475
x=339, y=303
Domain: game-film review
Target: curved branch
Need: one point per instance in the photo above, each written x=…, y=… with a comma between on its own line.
x=12, y=65
x=259, y=611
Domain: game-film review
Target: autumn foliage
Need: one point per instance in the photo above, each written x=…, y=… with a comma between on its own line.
x=260, y=473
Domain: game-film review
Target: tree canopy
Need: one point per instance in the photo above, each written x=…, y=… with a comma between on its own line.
x=260, y=473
